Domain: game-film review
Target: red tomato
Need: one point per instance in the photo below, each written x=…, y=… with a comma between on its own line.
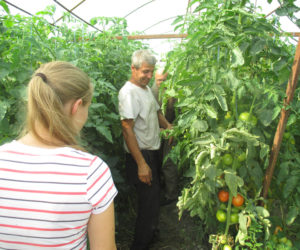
x=223, y=196
x=238, y=200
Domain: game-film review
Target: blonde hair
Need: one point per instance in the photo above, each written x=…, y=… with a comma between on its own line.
x=52, y=86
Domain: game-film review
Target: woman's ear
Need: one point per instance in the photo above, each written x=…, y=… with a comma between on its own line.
x=75, y=106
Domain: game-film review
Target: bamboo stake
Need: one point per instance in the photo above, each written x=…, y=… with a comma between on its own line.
x=292, y=83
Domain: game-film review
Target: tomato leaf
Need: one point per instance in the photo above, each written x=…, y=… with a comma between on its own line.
x=290, y=185
x=105, y=131
x=237, y=135
x=5, y=7
x=233, y=181
x=199, y=126
x=233, y=81
x=220, y=96
x=257, y=47
x=211, y=111
x=261, y=211
x=237, y=57
x=266, y=117
x=292, y=215
x=242, y=233
x=3, y=109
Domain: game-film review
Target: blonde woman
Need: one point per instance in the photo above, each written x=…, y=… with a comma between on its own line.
x=53, y=194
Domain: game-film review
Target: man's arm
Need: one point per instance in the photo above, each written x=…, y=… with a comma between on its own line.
x=144, y=171
x=163, y=122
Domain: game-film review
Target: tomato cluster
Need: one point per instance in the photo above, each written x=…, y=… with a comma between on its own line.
x=237, y=201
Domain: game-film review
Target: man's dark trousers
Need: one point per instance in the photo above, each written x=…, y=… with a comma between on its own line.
x=148, y=198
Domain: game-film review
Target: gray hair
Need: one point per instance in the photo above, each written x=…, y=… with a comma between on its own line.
x=142, y=56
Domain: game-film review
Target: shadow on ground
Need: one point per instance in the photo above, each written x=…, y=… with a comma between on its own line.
x=175, y=234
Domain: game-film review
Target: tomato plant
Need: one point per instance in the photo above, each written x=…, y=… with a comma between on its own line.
x=223, y=195
x=229, y=68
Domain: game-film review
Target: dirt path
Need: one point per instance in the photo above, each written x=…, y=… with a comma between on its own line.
x=174, y=234
x=177, y=234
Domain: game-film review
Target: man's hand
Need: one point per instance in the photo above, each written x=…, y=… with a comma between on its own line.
x=145, y=173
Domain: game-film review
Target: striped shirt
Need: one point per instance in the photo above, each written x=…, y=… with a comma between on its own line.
x=48, y=195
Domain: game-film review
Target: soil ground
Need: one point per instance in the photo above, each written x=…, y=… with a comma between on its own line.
x=174, y=234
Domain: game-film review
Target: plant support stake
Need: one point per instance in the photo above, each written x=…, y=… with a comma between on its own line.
x=292, y=83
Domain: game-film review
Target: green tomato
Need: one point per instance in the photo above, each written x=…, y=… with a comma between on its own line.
x=283, y=240
x=227, y=159
x=292, y=140
x=289, y=243
x=244, y=116
x=223, y=239
x=286, y=135
x=227, y=247
x=234, y=218
x=221, y=215
x=242, y=157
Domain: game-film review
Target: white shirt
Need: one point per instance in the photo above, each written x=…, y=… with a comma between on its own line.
x=140, y=105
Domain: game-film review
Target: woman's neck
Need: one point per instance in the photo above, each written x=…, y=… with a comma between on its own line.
x=47, y=140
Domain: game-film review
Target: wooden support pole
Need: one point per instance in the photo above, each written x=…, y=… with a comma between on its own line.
x=155, y=36
x=166, y=36
x=292, y=83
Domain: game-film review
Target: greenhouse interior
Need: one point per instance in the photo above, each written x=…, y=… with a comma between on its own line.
x=150, y=124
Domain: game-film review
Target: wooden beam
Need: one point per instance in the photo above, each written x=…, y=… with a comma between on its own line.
x=292, y=83
x=166, y=36
x=154, y=36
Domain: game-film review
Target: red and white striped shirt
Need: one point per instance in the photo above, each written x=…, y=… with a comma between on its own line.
x=48, y=195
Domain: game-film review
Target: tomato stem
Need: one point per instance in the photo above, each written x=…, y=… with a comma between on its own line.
x=228, y=213
x=252, y=104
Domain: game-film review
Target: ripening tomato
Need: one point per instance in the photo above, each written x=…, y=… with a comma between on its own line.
x=223, y=196
x=277, y=229
x=238, y=200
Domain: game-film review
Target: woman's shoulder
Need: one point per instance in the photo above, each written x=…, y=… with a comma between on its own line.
x=66, y=152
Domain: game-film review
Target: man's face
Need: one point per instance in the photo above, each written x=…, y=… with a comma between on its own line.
x=159, y=78
x=142, y=75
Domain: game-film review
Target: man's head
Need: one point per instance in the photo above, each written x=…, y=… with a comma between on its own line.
x=160, y=76
x=142, y=67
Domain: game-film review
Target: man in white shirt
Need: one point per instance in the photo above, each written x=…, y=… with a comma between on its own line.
x=141, y=120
